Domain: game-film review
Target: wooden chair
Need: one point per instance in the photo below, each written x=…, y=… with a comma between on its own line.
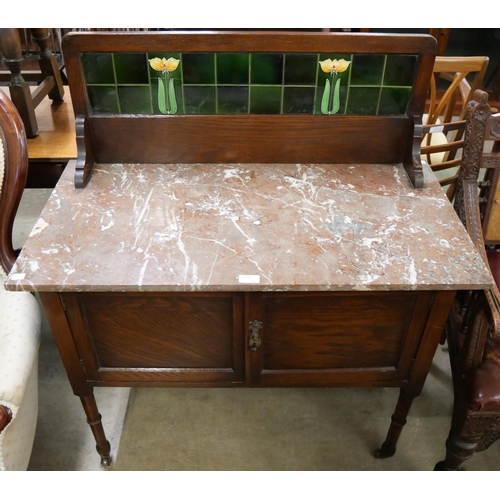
x=20, y=316
x=50, y=80
x=473, y=328
x=445, y=121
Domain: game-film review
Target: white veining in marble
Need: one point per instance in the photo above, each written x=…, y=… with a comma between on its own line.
x=187, y=227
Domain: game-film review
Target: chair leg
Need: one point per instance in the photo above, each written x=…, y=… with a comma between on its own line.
x=457, y=452
x=48, y=62
x=20, y=94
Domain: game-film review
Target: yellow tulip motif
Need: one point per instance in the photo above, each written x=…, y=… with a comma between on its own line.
x=164, y=65
x=166, y=91
x=339, y=66
x=330, y=103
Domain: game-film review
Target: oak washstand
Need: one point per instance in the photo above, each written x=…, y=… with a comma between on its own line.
x=248, y=210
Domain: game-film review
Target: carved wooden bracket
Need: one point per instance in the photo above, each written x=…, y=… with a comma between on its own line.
x=412, y=163
x=85, y=160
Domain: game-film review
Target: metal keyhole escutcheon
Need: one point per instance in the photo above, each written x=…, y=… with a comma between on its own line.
x=254, y=341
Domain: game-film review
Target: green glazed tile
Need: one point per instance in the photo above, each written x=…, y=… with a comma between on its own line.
x=198, y=68
x=394, y=101
x=400, y=70
x=232, y=100
x=367, y=69
x=131, y=68
x=135, y=100
x=300, y=69
x=265, y=99
x=363, y=101
x=232, y=69
x=199, y=100
x=98, y=68
x=298, y=100
x=103, y=99
x=267, y=69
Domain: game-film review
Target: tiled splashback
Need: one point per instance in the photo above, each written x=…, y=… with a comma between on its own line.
x=242, y=83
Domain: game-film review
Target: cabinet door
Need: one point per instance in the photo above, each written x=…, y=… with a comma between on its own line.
x=174, y=338
x=334, y=339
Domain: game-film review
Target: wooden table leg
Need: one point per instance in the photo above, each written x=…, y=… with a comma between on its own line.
x=94, y=420
x=398, y=421
x=423, y=359
x=54, y=307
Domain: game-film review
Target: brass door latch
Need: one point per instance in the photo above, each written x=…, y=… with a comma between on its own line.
x=254, y=341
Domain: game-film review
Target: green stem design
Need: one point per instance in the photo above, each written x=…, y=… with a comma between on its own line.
x=330, y=103
x=326, y=97
x=161, y=97
x=167, y=103
x=171, y=93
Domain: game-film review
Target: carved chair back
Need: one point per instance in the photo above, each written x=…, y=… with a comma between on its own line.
x=13, y=175
x=20, y=316
x=473, y=328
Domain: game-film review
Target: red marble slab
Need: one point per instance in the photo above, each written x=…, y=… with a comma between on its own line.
x=261, y=227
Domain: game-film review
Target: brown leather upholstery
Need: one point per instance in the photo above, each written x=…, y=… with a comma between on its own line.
x=483, y=384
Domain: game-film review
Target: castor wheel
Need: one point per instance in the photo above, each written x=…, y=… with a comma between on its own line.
x=106, y=461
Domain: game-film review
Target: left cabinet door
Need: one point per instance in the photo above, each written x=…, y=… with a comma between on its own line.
x=165, y=338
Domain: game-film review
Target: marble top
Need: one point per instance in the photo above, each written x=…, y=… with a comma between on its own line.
x=248, y=227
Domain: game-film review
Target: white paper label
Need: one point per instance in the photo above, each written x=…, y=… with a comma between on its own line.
x=18, y=276
x=249, y=278
x=435, y=130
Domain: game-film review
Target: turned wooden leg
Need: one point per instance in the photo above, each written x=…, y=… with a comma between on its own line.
x=457, y=452
x=48, y=63
x=20, y=94
x=398, y=421
x=94, y=420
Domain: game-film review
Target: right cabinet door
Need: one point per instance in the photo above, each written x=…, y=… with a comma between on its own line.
x=333, y=338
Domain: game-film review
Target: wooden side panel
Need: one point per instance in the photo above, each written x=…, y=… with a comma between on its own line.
x=249, y=139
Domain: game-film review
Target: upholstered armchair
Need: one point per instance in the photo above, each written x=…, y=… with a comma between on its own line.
x=20, y=316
